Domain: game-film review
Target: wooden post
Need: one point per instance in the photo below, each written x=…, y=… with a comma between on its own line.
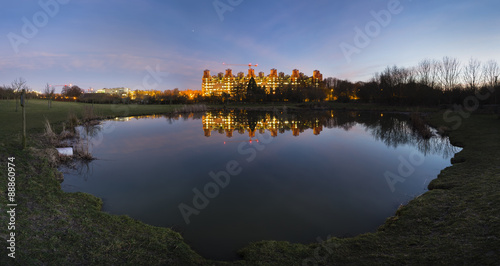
x=23, y=105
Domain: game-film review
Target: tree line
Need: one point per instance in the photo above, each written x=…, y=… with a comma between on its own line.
x=430, y=83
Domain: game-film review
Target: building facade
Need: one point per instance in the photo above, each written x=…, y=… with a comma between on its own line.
x=115, y=91
x=231, y=84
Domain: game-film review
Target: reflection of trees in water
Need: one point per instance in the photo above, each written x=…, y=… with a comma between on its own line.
x=175, y=117
x=397, y=131
x=80, y=168
x=84, y=169
x=87, y=133
x=392, y=129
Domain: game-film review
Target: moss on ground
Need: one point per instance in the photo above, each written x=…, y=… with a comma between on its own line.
x=456, y=222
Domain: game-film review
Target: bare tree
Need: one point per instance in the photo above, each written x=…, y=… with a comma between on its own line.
x=428, y=72
x=471, y=73
x=436, y=65
x=49, y=93
x=491, y=71
x=17, y=86
x=407, y=75
x=424, y=71
x=449, y=71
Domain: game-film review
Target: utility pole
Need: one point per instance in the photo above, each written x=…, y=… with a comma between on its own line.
x=23, y=105
x=496, y=94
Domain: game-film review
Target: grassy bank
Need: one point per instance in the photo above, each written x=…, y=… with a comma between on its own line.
x=57, y=228
x=37, y=111
x=456, y=222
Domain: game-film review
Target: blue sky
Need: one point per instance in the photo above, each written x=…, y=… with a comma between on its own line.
x=123, y=43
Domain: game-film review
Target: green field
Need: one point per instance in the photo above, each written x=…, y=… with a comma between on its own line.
x=37, y=111
x=456, y=222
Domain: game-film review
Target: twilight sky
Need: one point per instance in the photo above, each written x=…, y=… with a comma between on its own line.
x=146, y=44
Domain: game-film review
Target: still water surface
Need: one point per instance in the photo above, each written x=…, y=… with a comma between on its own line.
x=295, y=177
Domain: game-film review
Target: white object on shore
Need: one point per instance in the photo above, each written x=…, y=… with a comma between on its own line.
x=65, y=151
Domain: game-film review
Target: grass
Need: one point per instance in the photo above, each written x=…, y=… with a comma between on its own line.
x=456, y=222
x=37, y=110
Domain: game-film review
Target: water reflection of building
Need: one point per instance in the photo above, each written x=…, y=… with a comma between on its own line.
x=393, y=130
x=228, y=122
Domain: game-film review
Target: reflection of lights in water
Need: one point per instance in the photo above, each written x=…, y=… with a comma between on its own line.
x=235, y=141
x=392, y=132
x=123, y=119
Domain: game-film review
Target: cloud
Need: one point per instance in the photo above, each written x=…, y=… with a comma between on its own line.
x=173, y=63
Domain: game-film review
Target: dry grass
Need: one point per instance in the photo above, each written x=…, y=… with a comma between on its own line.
x=88, y=113
x=81, y=151
x=49, y=134
x=72, y=120
x=48, y=129
x=66, y=134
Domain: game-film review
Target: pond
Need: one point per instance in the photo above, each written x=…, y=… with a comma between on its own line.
x=226, y=178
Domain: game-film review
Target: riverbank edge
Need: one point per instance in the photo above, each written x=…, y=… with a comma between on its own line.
x=123, y=239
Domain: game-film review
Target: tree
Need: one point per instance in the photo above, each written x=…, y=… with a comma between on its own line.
x=434, y=73
x=6, y=92
x=49, y=93
x=491, y=71
x=471, y=73
x=368, y=91
x=254, y=92
x=73, y=91
x=17, y=86
x=427, y=72
x=224, y=97
x=239, y=92
x=449, y=71
x=424, y=70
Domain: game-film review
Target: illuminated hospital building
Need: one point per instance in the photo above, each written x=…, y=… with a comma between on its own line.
x=228, y=83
